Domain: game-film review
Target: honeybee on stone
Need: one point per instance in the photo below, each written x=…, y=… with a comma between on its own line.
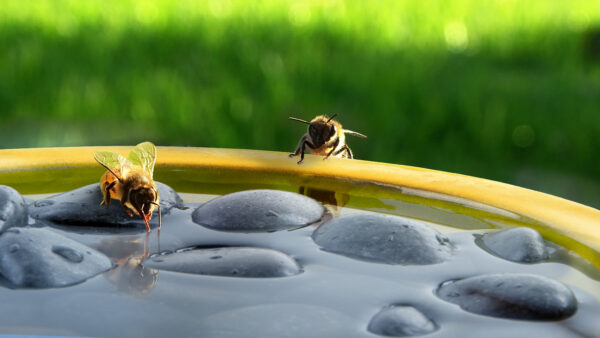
x=130, y=181
x=325, y=137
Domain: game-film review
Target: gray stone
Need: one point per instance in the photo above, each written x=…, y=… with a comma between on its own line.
x=383, y=239
x=258, y=211
x=40, y=258
x=401, y=321
x=13, y=210
x=228, y=261
x=523, y=245
x=514, y=296
x=82, y=206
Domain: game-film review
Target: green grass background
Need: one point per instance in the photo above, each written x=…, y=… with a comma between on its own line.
x=507, y=90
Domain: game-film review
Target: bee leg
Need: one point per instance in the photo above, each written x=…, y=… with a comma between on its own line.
x=106, y=197
x=302, y=152
x=301, y=146
x=348, y=152
x=124, y=203
x=335, y=149
x=329, y=154
x=345, y=151
x=306, y=143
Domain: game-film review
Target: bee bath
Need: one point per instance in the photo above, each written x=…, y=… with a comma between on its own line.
x=261, y=246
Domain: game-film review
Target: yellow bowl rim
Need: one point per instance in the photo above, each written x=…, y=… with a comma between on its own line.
x=577, y=221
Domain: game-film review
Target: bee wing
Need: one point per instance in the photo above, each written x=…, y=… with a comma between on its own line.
x=353, y=133
x=144, y=156
x=110, y=161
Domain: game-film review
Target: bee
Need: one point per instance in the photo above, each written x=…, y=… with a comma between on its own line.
x=325, y=137
x=130, y=181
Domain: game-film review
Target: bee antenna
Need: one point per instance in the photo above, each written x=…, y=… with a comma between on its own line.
x=107, y=168
x=115, y=175
x=331, y=118
x=299, y=120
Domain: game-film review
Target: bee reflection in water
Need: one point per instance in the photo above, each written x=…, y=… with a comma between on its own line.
x=332, y=201
x=128, y=252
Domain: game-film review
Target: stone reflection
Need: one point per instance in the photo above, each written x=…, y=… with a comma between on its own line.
x=128, y=252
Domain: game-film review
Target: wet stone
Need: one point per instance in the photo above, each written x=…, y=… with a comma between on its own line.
x=40, y=258
x=228, y=261
x=13, y=209
x=514, y=296
x=82, y=206
x=383, y=239
x=523, y=245
x=68, y=253
x=401, y=321
x=258, y=211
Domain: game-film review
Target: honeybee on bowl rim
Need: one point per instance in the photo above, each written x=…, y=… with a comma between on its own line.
x=325, y=137
x=130, y=181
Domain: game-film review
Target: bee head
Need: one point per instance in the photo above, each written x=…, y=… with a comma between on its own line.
x=321, y=131
x=143, y=200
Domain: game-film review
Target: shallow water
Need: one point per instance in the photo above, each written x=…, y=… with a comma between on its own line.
x=333, y=296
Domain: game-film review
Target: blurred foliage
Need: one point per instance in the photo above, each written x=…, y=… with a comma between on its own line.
x=507, y=90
